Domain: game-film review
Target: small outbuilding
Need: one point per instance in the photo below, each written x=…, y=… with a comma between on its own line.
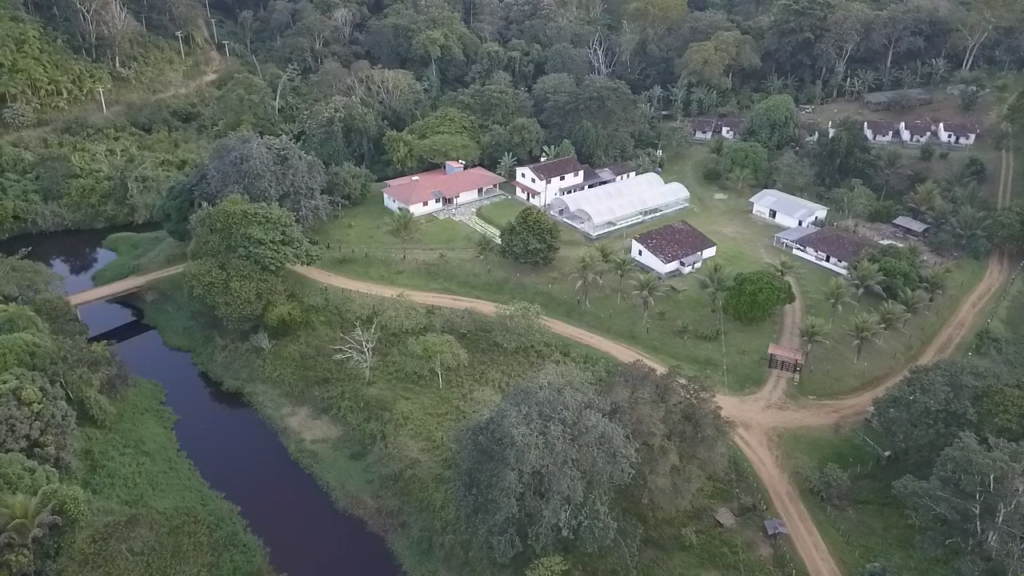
x=957, y=133
x=725, y=517
x=879, y=130
x=785, y=359
x=911, y=227
x=673, y=248
x=775, y=527
x=786, y=209
x=829, y=247
x=897, y=99
x=702, y=129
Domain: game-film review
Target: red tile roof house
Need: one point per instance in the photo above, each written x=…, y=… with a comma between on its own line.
x=434, y=190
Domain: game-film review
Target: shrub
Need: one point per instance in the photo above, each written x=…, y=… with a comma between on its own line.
x=19, y=116
x=531, y=238
x=754, y=296
x=712, y=173
x=943, y=155
x=284, y=317
x=927, y=151
x=975, y=168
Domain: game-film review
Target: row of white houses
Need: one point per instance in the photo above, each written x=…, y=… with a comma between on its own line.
x=916, y=132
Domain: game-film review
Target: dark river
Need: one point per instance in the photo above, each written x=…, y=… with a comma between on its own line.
x=233, y=449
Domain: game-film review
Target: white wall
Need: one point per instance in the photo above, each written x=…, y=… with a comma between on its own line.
x=728, y=133
x=788, y=222
x=535, y=200
x=625, y=176
x=950, y=138
x=818, y=258
x=698, y=135
x=642, y=255
x=548, y=189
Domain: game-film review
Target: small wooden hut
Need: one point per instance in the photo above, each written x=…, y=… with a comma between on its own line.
x=785, y=359
x=774, y=527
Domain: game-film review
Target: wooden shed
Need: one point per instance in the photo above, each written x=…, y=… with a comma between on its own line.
x=785, y=359
x=911, y=227
x=774, y=527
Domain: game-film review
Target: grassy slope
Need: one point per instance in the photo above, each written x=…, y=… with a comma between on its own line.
x=139, y=253
x=871, y=525
x=298, y=376
x=151, y=512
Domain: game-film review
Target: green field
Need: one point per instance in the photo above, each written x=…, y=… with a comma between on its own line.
x=869, y=525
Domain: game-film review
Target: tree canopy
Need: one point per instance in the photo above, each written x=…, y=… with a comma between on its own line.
x=531, y=238
x=754, y=296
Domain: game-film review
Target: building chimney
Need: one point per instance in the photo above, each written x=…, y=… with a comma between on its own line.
x=415, y=178
x=451, y=167
x=543, y=158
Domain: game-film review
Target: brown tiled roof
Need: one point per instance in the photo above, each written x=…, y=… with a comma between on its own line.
x=961, y=129
x=880, y=126
x=838, y=244
x=435, y=184
x=621, y=168
x=674, y=241
x=734, y=124
x=918, y=128
x=550, y=169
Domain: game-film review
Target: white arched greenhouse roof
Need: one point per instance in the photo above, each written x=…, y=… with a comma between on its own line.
x=622, y=199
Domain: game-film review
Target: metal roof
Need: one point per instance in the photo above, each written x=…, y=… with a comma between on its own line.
x=619, y=200
x=792, y=206
x=794, y=234
x=910, y=224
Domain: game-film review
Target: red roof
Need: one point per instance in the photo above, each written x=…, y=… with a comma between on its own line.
x=425, y=186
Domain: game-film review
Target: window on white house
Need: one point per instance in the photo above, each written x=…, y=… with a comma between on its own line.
x=576, y=173
x=533, y=180
x=427, y=203
x=437, y=200
x=561, y=178
x=639, y=252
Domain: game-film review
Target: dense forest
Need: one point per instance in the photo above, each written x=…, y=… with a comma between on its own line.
x=361, y=91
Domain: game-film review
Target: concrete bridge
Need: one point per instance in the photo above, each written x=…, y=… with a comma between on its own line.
x=121, y=287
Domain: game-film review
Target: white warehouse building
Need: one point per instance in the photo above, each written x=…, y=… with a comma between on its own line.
x=786, y=209
x=600, y=210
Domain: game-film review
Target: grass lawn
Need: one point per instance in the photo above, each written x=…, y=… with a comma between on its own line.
x=870, y=524
x=830, y=371
x=502, y=212
x=365, y=227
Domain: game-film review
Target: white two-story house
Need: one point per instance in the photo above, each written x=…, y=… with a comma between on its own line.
x=546, y=180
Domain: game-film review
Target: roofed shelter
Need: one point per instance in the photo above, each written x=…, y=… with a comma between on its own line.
x=785, y=359
x=601, y=209
x=911, y=227
x=438, y=189
x=674, y=248
x=897, y=99
x=786, y=209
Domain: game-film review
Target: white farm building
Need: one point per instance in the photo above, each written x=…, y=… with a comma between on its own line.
x=672, y=249
x=785, y=209
x=600, y=210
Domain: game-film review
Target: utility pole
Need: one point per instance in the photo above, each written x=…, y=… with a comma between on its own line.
x=181, y=45
x=103, y=101
x=207, y=8
x=227, y=53
x=214, y=22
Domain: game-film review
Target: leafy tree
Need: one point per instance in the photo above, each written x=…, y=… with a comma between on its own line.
x=845, y=155
x=784, y=266
x=519, y=326
x=748, y=156
x=812, y=332
x=567, y=59
x=491, y=103
x=864, y=327
x=238, y=254
x=646, y=287
x=24, y=350
x=971, y=498
x=441, y=351
x=548, y=566
x=20, y=475
x=899, y=266
x=1009, y=224
x=348, y=185
x=754, y=296
x=865, y=276
x=682, y=439
x=794, y=174
x=541, y=469
x=586, y=272
x=773, y=122
x=531, y=238
x=14, y=319
x=24, y=521
x=714, y=61
x=715, y=282
x=506, y=165
x=831, y=483
x=34, y=418
x=405, y=228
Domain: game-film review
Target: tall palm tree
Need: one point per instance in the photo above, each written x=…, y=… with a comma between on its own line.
x=549, y=151
x=970, y=226
x=863, y=329
x=715, y=282
x=866, y=277
x=654, y=96
x=605, y=253
x=773, y=85
x=506, y=164
x=933, y=280
x=913, y=301
x=621, y=265
x=717, y=146
x=404, y=227
x=646, y=287
x=892, y=315
x=837, y=293
x=890, y=164
x=812, y=332
x=24, y=519
x=739, y=179
x=925, y=197
x=939, y=69
x=485, y=247
x=784, y=266
x=678, y=97
x=586, y=273
x=868, y=78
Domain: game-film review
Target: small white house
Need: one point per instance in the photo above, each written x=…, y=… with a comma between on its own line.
x=916, y=132
x=546, y=180
x=702, y=129
x=957, y=133
x=676, y=248
x=829, y=248
x=730, y=128
x=879, y=130
x=786, y=209
x=435, y=190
